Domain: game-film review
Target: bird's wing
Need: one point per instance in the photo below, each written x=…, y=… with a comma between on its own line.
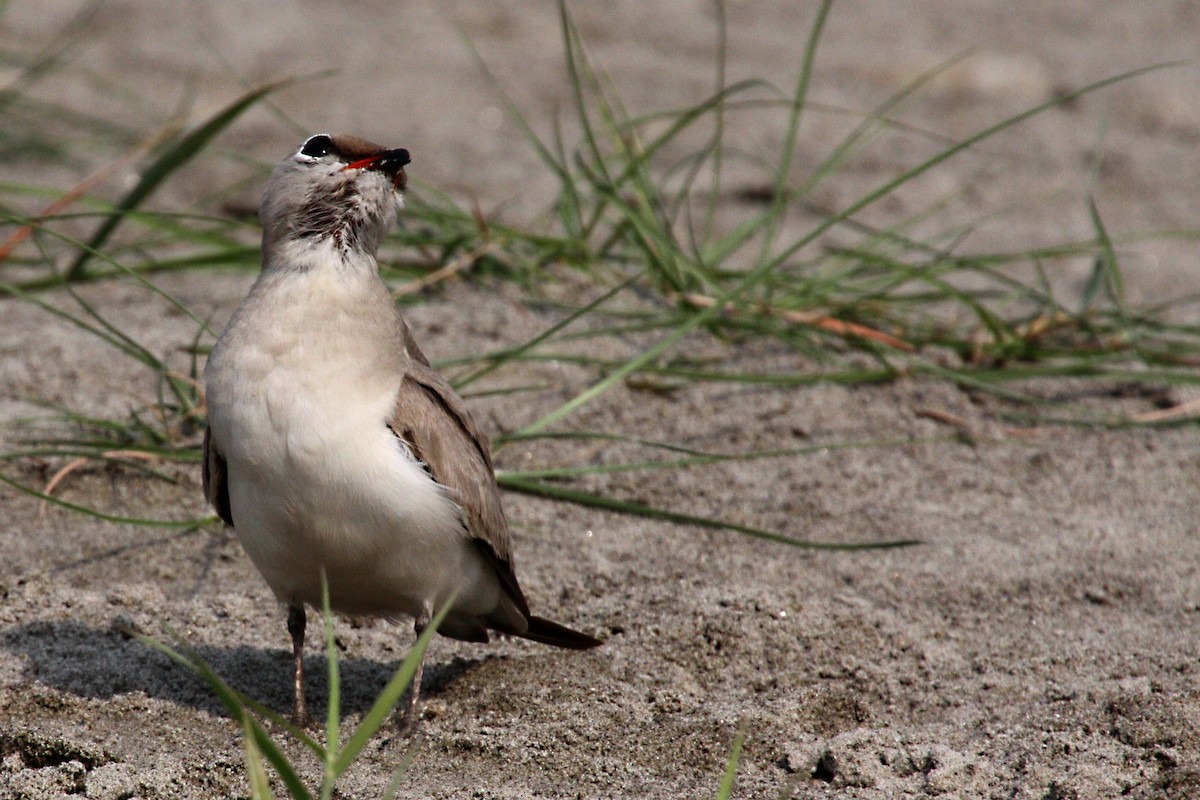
x=216, y=486
x=431, y=419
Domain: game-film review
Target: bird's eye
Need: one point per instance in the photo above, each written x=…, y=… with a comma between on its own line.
x=317, y=146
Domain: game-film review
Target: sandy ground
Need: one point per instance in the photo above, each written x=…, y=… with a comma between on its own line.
x=1041, y=643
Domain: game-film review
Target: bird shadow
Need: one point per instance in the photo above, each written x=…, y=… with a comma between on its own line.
x=98, y=663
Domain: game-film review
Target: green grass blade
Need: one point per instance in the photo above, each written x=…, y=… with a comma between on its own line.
x=496, y=360
x=602, y=436
x=66, y=42
x=873, y=120
x=118, y=340
x=581, y=78
x=890, y=186
x=136, y=275
x=559, y=168
x=390, y=696
x=91, y=512
x=692, y=458
x=553, y=492
x=406, y=761
x=649, y=355
x=333, y=716
x=175, y=157
x=235, y=704
x=256, y=773
x=275, y=756
x=735, y=755
x=788, y=153
x=190, y=659
x=1106, y=273
x=716, y=142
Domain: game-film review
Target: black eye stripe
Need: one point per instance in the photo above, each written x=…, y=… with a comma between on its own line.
x=317, y=146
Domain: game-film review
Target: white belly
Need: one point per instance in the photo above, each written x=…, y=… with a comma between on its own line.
x=350, y=501
x=317, y=481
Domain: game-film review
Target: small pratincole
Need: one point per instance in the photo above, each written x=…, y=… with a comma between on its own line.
x=332, y=446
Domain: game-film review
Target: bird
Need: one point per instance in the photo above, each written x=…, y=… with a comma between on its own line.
x=332, y=447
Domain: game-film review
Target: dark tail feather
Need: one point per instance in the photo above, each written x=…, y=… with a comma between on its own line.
x=547, y=632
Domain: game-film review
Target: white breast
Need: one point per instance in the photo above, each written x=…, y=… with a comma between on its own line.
x=300, y=389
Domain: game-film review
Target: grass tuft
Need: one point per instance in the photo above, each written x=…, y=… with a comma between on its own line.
x=664, y=266
x=263, y=751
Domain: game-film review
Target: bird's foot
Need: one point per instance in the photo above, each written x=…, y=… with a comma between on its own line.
x=303, y=720
x=408, y=717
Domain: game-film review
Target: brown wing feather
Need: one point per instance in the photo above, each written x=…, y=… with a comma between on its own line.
x=435, y=423
x=508, y=578
x=433, y=420
x=410, y=345
x=212, y=470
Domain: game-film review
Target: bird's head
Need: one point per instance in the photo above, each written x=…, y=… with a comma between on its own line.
x=334, y=188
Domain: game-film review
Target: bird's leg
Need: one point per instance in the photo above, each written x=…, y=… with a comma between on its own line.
x=297, y=620
x=410, y=716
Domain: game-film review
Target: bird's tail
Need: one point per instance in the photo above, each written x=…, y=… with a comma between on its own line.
x=551, y=633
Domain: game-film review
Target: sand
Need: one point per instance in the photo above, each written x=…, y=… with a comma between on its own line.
x=1040, y=642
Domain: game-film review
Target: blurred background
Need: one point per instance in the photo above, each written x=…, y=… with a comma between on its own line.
x=85, y=82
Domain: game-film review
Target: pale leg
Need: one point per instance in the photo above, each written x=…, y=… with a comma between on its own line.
x=414, y=698
x=296, y=622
